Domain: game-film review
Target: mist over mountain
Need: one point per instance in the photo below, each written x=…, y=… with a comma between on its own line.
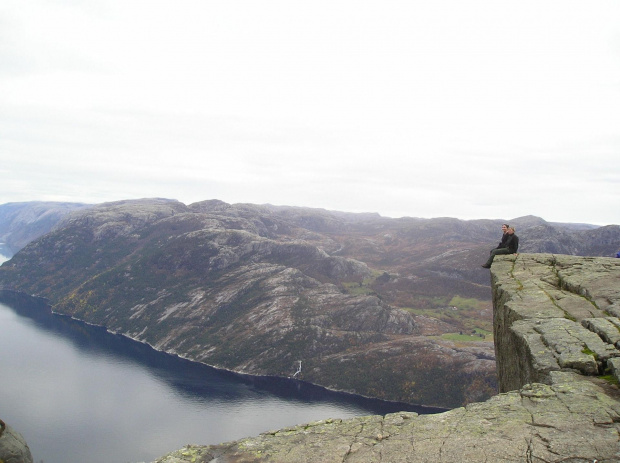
x=21, y=223
x=392, y=308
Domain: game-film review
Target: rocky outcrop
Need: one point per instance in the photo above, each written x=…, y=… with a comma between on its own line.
x=13, y=447
x=555, y=320
x=555, y=313
x=572, y=420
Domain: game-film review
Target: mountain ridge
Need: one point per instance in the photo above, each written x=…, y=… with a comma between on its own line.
x=392, y=308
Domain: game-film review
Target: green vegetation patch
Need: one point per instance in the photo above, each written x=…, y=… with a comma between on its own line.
x=364, y=287
x=588, y=351
x=466, y=314
x=474, y=335
x=611, y=379
x=361, y=288
x=467, y=303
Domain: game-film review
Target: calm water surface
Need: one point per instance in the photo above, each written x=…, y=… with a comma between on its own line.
x=80, y=394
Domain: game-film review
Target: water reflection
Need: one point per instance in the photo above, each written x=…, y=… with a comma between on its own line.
x=78, y=393
x=189, y=379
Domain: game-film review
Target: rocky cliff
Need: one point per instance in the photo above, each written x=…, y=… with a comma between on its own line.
x=555, y=313
x=556, y=337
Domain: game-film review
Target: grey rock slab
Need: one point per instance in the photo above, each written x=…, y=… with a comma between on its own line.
x=570, y=419
x=607, y=328
x=13, y=447
x=614, y=366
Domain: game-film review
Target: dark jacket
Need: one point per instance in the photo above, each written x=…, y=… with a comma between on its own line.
x=512, y=243
x=502, y=243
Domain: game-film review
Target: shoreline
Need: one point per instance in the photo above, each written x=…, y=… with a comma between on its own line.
x=42, y=301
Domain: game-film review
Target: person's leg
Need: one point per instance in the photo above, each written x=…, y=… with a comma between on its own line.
x=494, y=253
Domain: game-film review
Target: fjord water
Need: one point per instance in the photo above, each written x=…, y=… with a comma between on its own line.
x=80, y=394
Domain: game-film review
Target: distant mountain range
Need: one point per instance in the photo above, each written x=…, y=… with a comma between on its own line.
x=20, y=223
x=392, y=308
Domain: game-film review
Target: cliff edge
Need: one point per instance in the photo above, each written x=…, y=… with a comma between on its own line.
x=13, y=447
x=557, y=335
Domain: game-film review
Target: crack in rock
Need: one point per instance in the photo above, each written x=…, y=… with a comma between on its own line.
x=354, y=441
x=530, y=450
x=450, y=431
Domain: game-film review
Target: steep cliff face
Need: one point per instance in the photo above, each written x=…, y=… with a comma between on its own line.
x=555, y=313
x=556, y=326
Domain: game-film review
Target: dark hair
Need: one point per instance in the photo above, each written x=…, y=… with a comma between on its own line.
x=505, y=225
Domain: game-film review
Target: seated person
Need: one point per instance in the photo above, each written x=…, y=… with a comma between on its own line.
x=511, y=247
x=505, y=235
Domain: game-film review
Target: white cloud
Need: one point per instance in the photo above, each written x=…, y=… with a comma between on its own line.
x=422, y=109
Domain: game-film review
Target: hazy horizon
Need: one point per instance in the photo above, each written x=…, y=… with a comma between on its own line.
x=320, y=209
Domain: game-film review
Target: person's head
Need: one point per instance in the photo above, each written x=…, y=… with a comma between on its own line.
x=505, y=228
x=510, y=230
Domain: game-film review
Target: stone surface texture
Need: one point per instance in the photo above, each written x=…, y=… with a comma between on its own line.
x=553, y=313
x=554, y=320
x=13, y=447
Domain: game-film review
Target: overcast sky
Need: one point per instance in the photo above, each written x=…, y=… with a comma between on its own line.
x=468, y=109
